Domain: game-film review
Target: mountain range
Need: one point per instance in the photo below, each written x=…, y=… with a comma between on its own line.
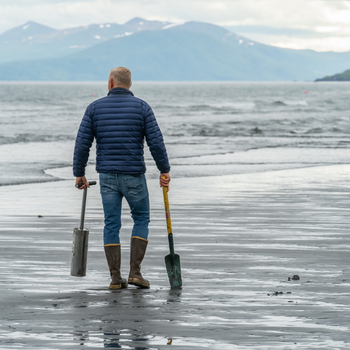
x=155, y=50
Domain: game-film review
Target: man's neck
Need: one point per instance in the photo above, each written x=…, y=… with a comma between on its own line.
x=119, y=86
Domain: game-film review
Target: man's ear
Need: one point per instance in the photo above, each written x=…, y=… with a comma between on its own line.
x=110, y=84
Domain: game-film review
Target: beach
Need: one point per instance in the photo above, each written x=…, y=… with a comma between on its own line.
x=241, y=239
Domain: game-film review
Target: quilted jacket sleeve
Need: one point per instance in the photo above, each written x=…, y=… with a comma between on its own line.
x=155, y=142
x=83, y=143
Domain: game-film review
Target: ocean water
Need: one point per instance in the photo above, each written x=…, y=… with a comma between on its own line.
x=210, y=129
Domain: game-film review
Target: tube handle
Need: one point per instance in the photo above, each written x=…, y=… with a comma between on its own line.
x=91, y=183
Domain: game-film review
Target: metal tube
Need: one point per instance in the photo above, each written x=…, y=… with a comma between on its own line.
x=82, y=217
x=79, y=252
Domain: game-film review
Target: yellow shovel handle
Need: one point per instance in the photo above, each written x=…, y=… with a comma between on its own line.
x=167, y=210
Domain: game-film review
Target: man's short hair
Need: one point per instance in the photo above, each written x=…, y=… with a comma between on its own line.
x=121, y=76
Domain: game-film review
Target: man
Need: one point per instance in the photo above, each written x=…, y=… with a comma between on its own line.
x=119, y=123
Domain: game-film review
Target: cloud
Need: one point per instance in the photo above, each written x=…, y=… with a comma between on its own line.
x=263, y=12
x=320, y=39
x=38, y=2
x=319, y=44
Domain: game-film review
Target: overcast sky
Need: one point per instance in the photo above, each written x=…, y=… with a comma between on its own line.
x=321, y=25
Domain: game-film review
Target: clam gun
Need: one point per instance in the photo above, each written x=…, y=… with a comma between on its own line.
x=80, y=241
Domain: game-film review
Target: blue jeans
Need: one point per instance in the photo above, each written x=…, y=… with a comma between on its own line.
x=113, y=188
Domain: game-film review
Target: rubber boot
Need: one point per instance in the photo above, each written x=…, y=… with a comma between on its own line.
x=113, y=256
x=137, y=252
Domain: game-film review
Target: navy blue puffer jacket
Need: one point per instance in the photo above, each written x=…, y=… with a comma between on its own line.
x=119, y=122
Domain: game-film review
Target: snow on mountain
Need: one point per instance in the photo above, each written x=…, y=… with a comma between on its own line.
x=139, y=24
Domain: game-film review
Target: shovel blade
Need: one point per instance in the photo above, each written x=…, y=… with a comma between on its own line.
x=173, y=268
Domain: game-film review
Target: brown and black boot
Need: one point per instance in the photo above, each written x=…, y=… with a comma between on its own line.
x=113, y=256
x=137, y=252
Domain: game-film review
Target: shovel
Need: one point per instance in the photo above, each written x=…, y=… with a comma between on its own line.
x=80, y=242
x=172, y=261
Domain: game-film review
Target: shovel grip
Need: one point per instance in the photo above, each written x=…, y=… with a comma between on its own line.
x=167, y=211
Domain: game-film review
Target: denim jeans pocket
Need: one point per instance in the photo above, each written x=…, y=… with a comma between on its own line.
x=135, y=186
x=106, y=183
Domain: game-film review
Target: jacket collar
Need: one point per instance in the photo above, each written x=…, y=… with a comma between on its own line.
x=120, y=91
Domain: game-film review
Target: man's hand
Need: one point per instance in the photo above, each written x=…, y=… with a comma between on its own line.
x=82, y=179
x=164, y=180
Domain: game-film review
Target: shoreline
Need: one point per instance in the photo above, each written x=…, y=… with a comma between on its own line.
x=50, y=163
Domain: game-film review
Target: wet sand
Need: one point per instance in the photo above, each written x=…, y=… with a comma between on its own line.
x=240, y=239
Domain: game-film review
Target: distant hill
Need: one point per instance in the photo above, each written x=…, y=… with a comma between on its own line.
x=35, y=41
x=25, y=32
x=167, y=52
x=345, y=76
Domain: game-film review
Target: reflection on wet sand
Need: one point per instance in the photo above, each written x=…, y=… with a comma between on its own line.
x=125, y=339
x=81, y=336
x=174, y=296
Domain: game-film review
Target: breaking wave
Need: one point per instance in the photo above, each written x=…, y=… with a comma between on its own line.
x=25, y=138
